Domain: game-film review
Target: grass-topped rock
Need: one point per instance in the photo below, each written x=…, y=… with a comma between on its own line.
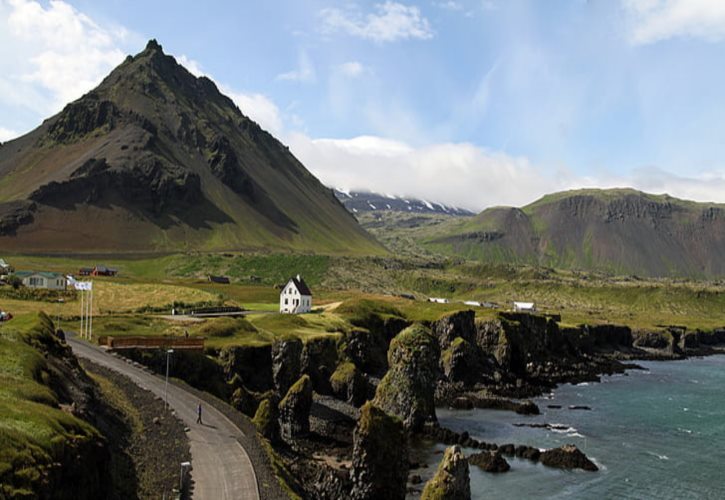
x=407, y=390
x=451, y=480
x=374, y=315
x=380, y=456
x=294, y=409
x=266, y=419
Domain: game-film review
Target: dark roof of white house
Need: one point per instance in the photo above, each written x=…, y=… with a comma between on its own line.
x=301, y=286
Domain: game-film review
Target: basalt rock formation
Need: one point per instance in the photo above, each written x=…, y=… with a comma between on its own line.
x=286, y=357
x=380, y=456
x=451, y=481
x=294, y=410
x=408, y=388
x=567, y=457
x=489, y=461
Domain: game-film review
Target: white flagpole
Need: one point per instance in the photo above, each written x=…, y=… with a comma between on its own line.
x=83, y=311
x=90, y=313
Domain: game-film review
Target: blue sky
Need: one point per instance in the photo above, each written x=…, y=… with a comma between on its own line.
x=467, y=102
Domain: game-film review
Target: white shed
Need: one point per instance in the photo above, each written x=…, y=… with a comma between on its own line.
x=524, y=307
x=296, y=297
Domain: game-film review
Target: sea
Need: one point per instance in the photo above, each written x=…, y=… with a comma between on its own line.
x=657, y=433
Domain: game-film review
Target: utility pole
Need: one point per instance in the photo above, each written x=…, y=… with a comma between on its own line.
x=169, y=352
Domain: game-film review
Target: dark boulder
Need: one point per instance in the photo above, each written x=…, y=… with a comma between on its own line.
x=489, y=461
x=567, y=457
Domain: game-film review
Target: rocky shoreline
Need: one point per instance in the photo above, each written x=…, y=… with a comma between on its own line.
x=323, y=405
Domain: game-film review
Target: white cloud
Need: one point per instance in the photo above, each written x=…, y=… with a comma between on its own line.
x=190, y=64
x=7, y=134
x=465, y=175
x=655, y=20
x=259, y=108
x=449, y=5
x=304, y=73
x=455, y=174
x=391, y=21
x=352, y=69
x=54, y=51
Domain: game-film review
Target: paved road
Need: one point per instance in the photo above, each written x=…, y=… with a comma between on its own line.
x=221, y=468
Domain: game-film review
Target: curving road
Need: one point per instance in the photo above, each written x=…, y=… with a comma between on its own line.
x=221, y=468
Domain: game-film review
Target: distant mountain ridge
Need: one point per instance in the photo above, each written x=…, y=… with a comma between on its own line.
x=155, y=159
x=615, y=230
x=365, y=201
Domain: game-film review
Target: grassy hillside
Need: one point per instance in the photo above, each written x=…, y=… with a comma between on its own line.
x=44, y=451
x=620, y=231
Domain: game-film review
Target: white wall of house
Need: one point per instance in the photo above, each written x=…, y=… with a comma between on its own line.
x=40, y=281
x=292, y=302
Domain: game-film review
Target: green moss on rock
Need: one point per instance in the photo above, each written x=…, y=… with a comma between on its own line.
x=265, y=419
x=451, y=480
x=407, y=390
x=380, y=455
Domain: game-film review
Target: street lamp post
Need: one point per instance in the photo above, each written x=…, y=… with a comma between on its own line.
x=57, y=321
x=169, y=352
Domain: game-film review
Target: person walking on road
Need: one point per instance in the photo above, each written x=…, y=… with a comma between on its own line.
x=198, y=413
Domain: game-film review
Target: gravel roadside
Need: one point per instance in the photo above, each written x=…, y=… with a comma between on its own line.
x=148, y=444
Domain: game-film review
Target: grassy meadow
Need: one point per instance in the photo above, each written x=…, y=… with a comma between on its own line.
x=139, y=300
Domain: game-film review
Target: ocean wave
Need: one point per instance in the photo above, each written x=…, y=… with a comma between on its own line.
x=598, y=463
x=575, y=435
x=661, y=457
x=582, y=384
x=686, y=431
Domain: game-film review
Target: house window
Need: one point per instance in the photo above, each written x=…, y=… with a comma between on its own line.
x=36, y=281
x=285, y=301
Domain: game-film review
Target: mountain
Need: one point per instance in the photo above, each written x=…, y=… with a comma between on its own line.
x=616, y=230
x=155, y=159
x=364, y=201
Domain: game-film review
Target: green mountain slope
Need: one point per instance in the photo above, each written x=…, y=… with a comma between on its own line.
x=616, y=230
x=155, y=159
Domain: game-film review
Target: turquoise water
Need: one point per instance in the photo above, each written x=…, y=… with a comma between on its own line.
x=654, y=434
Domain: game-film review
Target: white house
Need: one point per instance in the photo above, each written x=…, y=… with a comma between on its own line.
x=296, y=297
x=524, y=307
x=438, y=300
x=42, y=279
x=473, y=303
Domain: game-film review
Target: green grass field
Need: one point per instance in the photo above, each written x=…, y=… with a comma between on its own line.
x=35, y=435
x=133, y=302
